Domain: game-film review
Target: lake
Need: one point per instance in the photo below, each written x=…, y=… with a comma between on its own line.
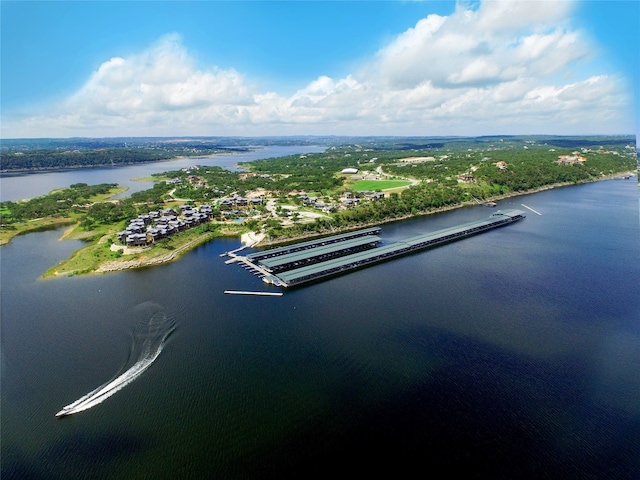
x=14, y=187
x=511, y=354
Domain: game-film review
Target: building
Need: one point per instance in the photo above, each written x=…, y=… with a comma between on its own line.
x=309, y=261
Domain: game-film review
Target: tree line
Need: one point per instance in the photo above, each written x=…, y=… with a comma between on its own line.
x=51, y=159
x=54, y=159
x=59, y=203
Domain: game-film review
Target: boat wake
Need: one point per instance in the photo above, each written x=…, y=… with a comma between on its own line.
x=149, y=338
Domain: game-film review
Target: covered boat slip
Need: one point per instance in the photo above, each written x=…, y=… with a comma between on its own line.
x=297, y=247
x=337, y=265
x=348, y=261
x=499, y=218
x=319, y=254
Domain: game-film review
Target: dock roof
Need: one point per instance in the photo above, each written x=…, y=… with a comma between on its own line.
x=272, y=252
x=335, y=265
x=308, y=254
x=346, y=262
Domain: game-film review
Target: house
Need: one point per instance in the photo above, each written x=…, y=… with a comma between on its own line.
x=570, y=159
x=140, y=233
x=350, y=202
x=374, y=195
x=195, y=180
x=137, y=240
x=206, y=210
x=245, y=175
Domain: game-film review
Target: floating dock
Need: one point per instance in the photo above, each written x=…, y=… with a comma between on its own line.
x=297, y=247
x=296, y=264
x=260, y=294
x=321, y=253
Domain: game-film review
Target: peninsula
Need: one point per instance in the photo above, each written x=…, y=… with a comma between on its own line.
x=278, y=200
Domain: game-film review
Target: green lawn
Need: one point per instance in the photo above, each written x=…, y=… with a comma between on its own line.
x=363, y=185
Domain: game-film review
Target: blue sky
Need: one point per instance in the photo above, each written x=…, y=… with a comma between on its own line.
x=328, y=67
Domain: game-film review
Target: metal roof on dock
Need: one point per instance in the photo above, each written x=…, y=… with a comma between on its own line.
x=291, y=277
x=469, y=227
x=295, y=247
x=328, y=250
x=347, y=262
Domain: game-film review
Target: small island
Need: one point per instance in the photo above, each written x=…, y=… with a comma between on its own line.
x=271, y=201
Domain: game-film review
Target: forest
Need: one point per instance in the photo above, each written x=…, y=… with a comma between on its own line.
x=50, y=154
x=46, y=159
x=58, y=203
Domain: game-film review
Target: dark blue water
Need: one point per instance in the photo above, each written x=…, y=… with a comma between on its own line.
x=511, y=354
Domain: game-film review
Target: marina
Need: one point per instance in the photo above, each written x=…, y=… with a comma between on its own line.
x=297, y=264
x=297, y=247
x=319, y=254
x=519, y=328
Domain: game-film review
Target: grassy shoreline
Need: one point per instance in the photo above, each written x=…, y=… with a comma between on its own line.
x=38, y=225
x=98, y=257
x=47, y=223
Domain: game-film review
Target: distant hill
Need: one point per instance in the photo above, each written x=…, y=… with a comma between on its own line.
x=56, y=153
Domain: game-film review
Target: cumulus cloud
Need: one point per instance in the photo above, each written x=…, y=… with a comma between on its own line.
x=161, y=78
x=493, y=67
x=499, y=42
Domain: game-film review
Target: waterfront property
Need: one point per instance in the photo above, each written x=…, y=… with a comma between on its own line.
x=308, y=261
x=154, y=226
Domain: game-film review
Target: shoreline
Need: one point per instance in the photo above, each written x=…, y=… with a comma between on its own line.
x=287, y=240
x=119, y=265
x=255, y=239
x=26, y=171
x=43, y=224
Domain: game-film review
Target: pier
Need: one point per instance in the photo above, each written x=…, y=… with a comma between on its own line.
x=298, y=247
x=309, y=261
x=260, y=294
x=529, y=208
x=319, y=254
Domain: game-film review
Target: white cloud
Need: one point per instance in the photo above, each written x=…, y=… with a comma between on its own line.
x=514, y=17
x=161, y=78
x=500, y=67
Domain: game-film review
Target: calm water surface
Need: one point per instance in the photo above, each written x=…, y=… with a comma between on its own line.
x=28, y=185
x=512, y=354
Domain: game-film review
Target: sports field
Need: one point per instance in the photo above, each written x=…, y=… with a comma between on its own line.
x=363, y=185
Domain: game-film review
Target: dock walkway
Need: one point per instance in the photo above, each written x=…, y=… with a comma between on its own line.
x=259, y=294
